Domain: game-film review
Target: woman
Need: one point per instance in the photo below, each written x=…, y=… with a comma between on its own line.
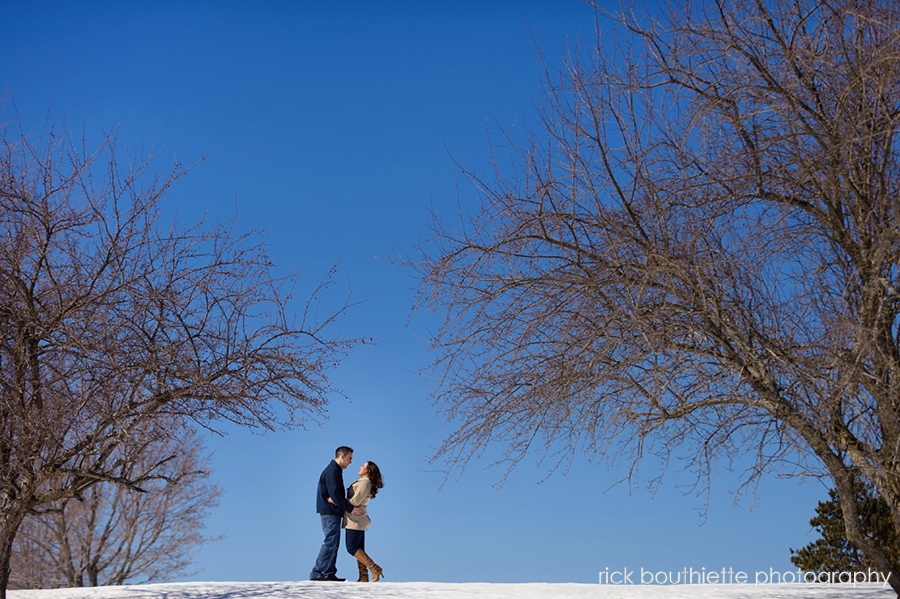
x=359, y=494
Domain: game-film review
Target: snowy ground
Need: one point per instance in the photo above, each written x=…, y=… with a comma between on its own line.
x=437, y=590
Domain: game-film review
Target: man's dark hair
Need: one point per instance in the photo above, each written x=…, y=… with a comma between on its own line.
x=343, y=449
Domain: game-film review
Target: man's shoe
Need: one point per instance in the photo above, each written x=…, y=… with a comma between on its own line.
x=333, y=578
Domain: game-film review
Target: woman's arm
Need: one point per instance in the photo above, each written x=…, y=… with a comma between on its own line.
x=362, y=489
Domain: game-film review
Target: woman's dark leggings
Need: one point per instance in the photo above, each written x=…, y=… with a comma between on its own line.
x=356, y=540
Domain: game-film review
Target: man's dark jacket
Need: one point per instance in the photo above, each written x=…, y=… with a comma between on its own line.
x=331, y=484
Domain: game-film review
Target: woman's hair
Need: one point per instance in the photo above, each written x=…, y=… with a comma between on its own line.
x=374, y=476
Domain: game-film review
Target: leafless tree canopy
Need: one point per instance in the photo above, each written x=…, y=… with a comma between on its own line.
x=698, y=249
x=117, y=535
x=111, y=317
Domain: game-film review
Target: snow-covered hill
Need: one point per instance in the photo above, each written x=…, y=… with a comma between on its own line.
x=437, y=590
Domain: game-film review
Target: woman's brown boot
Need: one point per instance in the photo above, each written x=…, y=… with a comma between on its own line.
x=367, y=562
x=363, y=572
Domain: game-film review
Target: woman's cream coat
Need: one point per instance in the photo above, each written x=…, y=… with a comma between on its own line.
x=359, y=494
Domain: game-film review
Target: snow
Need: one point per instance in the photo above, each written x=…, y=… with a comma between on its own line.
x=439, y=590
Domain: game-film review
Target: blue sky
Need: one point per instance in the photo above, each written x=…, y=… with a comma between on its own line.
x=334, y=127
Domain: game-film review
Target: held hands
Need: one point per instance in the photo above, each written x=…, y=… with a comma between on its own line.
x=357, y=511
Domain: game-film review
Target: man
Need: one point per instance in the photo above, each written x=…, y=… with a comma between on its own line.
x=331, y=486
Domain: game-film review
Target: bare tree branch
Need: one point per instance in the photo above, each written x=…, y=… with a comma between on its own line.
x=699, y=251
x=122, y=530
x=111, y=319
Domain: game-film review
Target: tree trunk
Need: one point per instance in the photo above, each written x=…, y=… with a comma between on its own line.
x=12, y=512
x=872, y=552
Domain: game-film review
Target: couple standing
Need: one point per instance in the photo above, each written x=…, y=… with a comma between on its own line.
x=335, y=508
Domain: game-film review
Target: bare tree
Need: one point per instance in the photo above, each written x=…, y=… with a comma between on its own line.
x=111, y=318
x=696, y=257
x=117, y=535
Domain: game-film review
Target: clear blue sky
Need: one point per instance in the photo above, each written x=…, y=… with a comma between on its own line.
x=334, y=126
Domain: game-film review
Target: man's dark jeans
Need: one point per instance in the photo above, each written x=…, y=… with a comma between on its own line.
x=326, y=563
